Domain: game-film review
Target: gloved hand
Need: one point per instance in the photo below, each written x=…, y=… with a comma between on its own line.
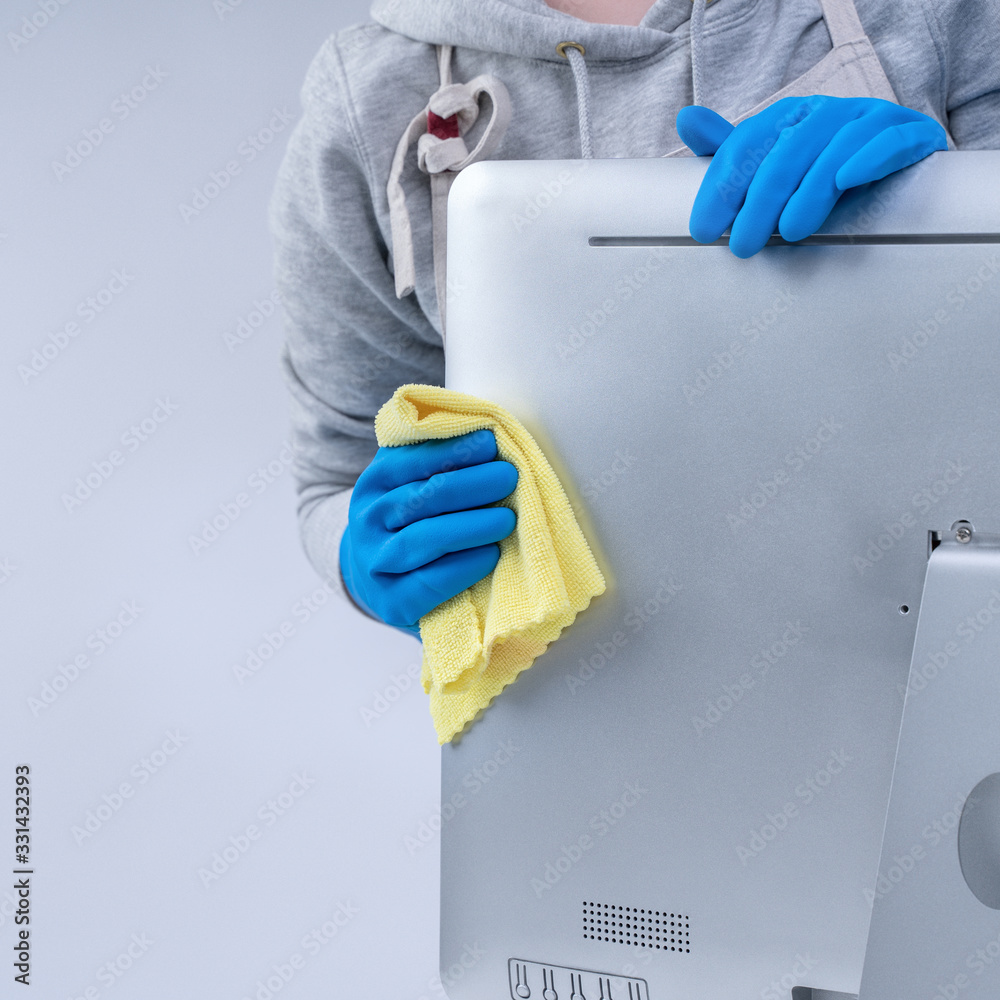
x=784, y=168
x=413, y=539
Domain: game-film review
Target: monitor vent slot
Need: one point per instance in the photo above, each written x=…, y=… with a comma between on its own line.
x=817, y=240
x=661, y=930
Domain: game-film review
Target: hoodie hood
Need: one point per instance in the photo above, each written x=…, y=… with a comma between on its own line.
x=532, y=29
x=522, y=29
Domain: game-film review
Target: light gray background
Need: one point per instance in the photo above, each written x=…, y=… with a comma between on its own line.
x=66, y=573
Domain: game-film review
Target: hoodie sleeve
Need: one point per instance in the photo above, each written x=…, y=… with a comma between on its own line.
x=349, y=342
x=967, y=40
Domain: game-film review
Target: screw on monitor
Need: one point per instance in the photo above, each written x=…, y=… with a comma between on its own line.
x=963, y=531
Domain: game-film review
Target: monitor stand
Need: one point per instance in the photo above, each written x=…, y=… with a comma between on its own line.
x=807, y=993
x=934, y=908
x=935, y=922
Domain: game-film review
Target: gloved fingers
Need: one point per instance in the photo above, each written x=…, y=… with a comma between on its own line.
x=779, y=175
x=702, y=130
x=892, y=149
x=728, y=176
x=445, y=492
x=430, y=538
x=395, y=466
x=809, y=207
x=415, y=594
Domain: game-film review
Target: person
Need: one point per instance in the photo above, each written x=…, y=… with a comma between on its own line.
x=796, y=102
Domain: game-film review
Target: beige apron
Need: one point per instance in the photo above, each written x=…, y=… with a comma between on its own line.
x=850, y=69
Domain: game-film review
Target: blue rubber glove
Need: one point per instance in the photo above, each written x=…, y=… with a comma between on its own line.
x=412, y=540
x=784, y=168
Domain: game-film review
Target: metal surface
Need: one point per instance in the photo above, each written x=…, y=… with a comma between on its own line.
x=935, y=921
x=756, y=450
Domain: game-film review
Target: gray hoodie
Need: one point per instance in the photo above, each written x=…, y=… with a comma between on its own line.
x=350, y=342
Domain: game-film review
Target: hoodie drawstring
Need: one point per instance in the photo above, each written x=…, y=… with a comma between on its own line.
x=441, y=152
x=439, y=128
x=574, y=52
x=697, y=31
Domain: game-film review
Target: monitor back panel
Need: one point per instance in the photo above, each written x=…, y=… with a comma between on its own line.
x=684, y=797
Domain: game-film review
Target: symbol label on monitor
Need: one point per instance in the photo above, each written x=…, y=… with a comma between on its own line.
x=544, y=981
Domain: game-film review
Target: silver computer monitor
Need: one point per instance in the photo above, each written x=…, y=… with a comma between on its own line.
x=684, y=797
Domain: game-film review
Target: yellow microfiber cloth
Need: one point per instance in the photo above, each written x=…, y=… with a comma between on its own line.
x=477, y=643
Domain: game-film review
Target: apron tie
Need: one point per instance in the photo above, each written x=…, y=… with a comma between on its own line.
x=438, y=131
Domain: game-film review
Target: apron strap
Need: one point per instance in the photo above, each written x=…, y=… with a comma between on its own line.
x=842, y=22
